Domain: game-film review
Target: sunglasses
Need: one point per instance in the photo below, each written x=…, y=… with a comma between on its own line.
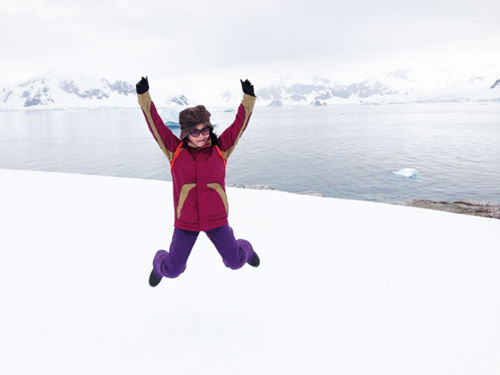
x=204, y=131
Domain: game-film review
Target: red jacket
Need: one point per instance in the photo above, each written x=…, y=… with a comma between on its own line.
x=198, y=174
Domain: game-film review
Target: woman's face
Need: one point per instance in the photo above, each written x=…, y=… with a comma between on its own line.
x=202, y=138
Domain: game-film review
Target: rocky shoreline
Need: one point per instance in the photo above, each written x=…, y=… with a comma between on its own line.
x=477, y=208
x=269, y=187
x=467, y=207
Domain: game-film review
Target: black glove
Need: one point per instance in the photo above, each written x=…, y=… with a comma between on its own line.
x=142, y=86
x=247, y=87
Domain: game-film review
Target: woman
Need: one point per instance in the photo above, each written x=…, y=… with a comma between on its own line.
x=198, y=166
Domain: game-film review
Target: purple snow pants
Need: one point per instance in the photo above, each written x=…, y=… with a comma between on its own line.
x=235, y=253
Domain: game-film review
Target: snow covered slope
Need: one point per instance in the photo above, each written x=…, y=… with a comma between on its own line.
x=344, y=287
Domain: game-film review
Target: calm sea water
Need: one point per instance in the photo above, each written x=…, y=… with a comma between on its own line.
x=345, y=152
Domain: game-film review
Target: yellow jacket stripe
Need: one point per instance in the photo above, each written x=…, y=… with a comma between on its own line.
x=154, y=121
x=248, y=103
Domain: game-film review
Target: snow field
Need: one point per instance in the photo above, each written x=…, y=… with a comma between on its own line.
x=347, y=287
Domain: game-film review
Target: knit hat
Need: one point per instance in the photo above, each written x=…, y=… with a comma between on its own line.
x=190, y=117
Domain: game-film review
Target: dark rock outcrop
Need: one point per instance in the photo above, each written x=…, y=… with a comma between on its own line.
x=275, y=103
x=269, y=187
x=318, y=103
x=37, y=97
x=180, y=100
x=253, y=186
x=121, y=87
x=71, y=88
x=477, y=208
x=312, y=193
x=496, y=84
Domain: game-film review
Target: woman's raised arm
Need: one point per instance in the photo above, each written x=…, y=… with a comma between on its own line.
x=230, y=137
x=167, y=140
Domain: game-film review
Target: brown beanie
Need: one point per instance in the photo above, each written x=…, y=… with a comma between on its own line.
x=190, y=117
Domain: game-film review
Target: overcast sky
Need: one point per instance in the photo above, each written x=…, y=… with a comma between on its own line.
x=194, y=40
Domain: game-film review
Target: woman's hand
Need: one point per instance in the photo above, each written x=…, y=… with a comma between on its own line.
x=247, y=87
x=142, y=86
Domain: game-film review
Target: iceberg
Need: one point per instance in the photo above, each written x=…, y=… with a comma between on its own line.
x=407, y=172
x=170, y=115
x=172, y=124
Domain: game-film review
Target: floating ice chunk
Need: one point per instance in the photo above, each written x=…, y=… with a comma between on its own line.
x=407, y=172
x=172, y=124
x=170, y=114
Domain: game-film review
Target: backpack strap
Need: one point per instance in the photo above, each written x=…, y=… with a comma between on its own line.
x=221, y=154
x=176, y=154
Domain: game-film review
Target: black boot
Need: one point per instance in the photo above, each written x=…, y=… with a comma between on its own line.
x=254, y=260
x=154, y=278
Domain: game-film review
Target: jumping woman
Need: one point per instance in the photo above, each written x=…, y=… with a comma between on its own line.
x=198, y=166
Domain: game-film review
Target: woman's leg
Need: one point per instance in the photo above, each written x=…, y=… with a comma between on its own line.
x=235, y=253
x=172, y=263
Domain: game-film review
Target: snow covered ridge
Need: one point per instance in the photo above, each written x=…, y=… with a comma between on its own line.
x=53, y=91
x=322, y=94
x=396, y=87
x=388, y=89
x=49, y=92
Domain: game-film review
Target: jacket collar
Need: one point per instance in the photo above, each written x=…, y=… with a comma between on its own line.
x=192, y=145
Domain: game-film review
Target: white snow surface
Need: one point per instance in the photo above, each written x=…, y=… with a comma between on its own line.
x=344, y=287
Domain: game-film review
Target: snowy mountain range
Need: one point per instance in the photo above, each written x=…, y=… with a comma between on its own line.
x=392, y=88
x=395, y=87
x=321, y=94
x=81, y=91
